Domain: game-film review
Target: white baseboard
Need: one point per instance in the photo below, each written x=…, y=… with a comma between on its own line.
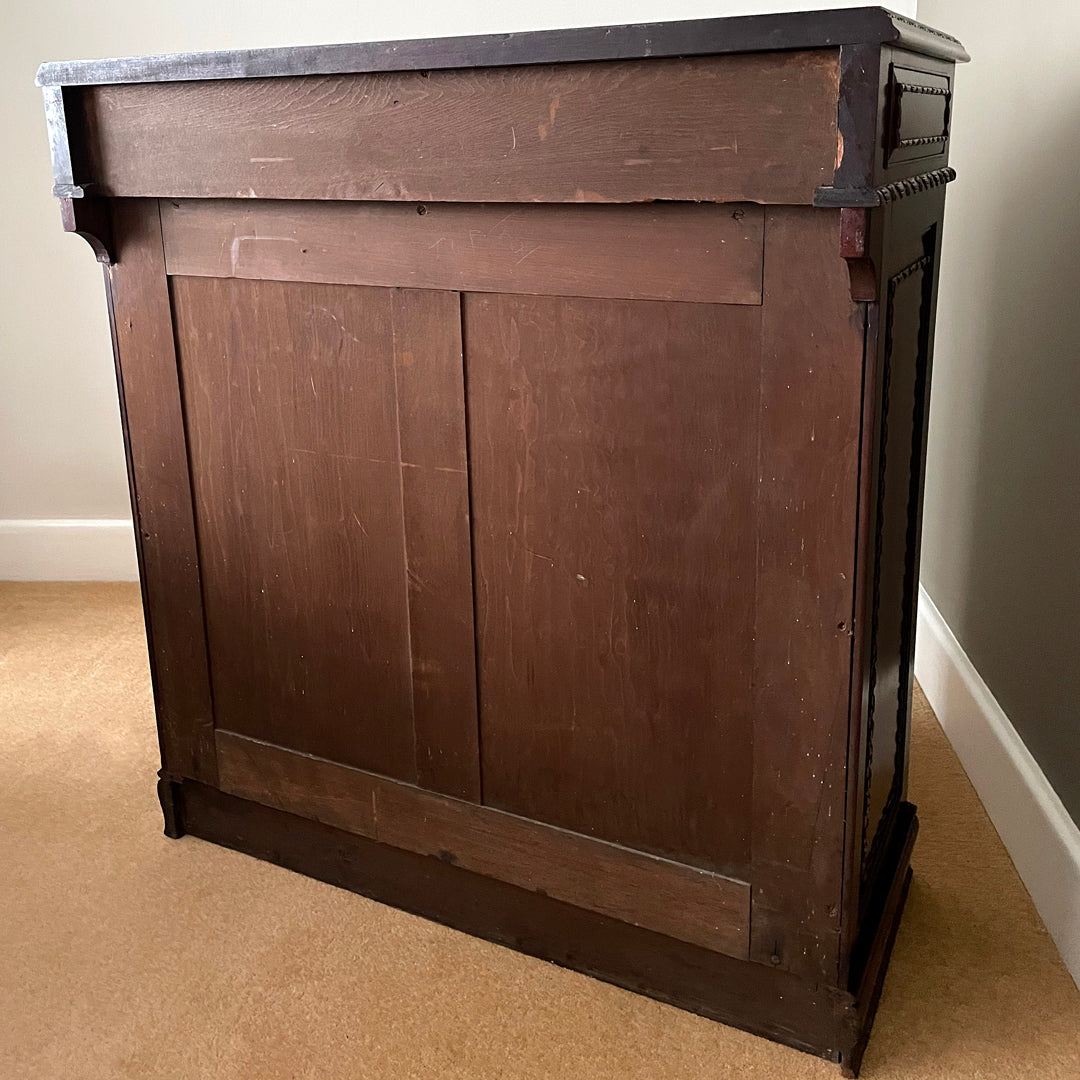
x=68, y=549
x=1041, y=838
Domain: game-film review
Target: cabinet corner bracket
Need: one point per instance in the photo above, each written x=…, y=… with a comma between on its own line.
x=89, y=218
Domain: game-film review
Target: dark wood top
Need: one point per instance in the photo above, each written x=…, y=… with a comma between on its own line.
x=693, y=37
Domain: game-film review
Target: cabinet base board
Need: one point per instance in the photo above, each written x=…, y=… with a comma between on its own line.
x=818, y=1019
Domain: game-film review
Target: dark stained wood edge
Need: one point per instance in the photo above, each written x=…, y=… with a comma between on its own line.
x=680, y=901
x=689, y=37
x=148, y=384
x=592, y=250
x=856, y=122
x=875, y=944
x=759, y=999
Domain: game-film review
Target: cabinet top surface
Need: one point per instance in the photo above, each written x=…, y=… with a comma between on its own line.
x=694, y=37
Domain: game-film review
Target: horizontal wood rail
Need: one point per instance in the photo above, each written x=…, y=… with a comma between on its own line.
x=663, y=251
x=681, y=901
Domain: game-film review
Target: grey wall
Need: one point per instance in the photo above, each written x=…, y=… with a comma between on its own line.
x=1001, y=543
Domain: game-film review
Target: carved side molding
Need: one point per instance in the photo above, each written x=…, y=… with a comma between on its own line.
x=909, y=419
x=901, y=189
x=89, y=218
x=918, y=107
x=867, y=198
x=855, y=229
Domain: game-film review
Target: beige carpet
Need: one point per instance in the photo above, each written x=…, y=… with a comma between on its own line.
x=124, y=954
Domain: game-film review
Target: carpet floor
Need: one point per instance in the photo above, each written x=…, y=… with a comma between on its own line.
x=127, y=955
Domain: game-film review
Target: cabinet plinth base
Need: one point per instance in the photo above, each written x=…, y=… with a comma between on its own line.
x=823, y=1020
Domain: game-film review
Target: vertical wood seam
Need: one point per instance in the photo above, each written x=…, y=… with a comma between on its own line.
x=393, y=294
x=848, y=881
x=462, y=338
x=759, y=475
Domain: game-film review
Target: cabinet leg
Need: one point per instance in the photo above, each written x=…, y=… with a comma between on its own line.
x=172, y=805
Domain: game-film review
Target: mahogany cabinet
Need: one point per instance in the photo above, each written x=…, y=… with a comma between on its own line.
x=526, y=439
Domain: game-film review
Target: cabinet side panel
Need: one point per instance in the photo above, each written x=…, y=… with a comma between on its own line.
x=612, y=450
x=161, y=491
x=811, y=397
x=291, y=404
x=910, y=239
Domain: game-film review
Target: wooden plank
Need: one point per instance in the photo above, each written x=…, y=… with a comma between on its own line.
x=161, y=491
x=430, y=395
x=684, y=902
x=811, y=396
x=753, y=127
x=290, y=398
x=678, y=251
x=612, y=450
x=297, y=783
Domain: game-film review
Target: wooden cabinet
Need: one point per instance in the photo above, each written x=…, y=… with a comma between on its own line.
x=526, y=439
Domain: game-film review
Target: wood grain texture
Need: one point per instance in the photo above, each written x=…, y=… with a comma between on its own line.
x=758, y=127
x=289, y=393
x=612, y=449
x=296, y=447
x=809, y=426
x=682, y=901
x=161, y=492
x=298, y=783
x=679, y=251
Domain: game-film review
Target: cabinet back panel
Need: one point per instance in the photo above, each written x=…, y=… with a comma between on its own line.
x=291, y=400
x=613, y=456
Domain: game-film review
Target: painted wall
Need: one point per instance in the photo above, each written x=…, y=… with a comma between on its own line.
x=61, y=454
x=1001, y=544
